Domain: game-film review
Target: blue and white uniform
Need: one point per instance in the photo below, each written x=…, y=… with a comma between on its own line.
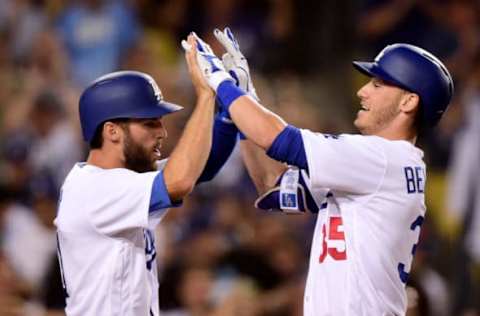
x=363, y=242
x=106, y=248
x=369, y=195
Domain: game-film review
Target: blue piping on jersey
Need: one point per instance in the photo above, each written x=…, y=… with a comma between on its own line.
x=159, y=198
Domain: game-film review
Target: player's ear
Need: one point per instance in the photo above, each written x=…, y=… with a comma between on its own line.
x=112, y=132
x=410, y=102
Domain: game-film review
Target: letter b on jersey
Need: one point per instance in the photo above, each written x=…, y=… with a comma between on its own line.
x=415, y=177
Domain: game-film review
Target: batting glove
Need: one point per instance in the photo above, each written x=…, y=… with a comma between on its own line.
x=234, y=61
x=212, y=68
x=291, y=194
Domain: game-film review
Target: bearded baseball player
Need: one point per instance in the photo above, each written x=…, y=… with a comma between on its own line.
x=367, y=189
x=111, y=203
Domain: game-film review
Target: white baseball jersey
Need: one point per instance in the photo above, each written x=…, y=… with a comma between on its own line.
x=366, y=236
x=106, y=245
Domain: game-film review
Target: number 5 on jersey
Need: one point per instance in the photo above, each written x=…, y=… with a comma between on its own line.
x=336, y=246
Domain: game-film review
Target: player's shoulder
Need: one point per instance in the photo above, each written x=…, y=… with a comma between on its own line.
x=92, y=170
x=343, y=138
x=392, y=149
x=398, y=147
x=91, y=176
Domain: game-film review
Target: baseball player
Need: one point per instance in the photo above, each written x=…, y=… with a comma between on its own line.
x=368, y=189
x=111, y=203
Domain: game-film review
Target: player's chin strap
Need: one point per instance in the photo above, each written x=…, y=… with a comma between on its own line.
x=290, y=195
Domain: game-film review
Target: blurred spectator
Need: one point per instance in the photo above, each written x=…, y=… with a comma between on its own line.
x=17, y=171
x=417, y=301
x=383, y=22
x=97, y=35
x=55, y=146
x=430, y=286
x=190, y=290
x=28, y=22
x=27, y=234
x=464, y=197
x=19, y=269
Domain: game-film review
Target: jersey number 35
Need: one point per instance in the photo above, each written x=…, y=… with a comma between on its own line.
x=336, y=246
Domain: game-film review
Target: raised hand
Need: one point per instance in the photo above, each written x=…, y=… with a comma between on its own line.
x=194, y=68
x=211, y=67
x=235, y=62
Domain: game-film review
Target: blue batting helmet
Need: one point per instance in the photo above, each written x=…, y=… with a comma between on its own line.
x=122, y=94
x=416, y=70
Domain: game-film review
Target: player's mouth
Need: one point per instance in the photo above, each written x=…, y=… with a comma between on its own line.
x=157, y=152
x=364, y=108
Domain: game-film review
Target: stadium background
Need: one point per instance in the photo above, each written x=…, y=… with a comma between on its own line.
x=217, y=254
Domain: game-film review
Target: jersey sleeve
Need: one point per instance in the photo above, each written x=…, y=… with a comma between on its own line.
x=159, y=199
x=123, y=200
x=347, y=163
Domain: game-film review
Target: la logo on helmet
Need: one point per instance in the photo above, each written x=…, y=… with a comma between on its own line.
x=156, y=89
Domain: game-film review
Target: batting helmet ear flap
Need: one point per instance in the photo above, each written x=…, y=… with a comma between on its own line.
x=414, y=69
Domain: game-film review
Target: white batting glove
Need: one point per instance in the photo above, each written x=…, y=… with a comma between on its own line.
x=212, y=68
x=235, y=63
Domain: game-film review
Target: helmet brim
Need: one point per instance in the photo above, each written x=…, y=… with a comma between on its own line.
x=372, y=70
x=364, y=67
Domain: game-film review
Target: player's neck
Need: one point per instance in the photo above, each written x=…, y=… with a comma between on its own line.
x=398, y=132
x=105, y=159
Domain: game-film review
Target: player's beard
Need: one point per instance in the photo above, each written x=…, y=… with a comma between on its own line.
x=379, y=119
x=137, y=157
x=386, y=115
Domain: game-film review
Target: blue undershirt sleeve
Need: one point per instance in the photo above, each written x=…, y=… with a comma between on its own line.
x=223, y=143
x=288, y=147
x=159, y=198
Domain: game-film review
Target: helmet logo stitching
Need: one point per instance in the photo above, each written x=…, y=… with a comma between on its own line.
x=156, y=90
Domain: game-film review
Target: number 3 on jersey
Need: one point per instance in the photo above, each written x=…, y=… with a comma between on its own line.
x=418, y=222
x=336, y=246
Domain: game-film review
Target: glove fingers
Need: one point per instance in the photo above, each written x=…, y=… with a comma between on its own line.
x=229, y=34
x=225, y=41
x=202, y=46
x=186, y=46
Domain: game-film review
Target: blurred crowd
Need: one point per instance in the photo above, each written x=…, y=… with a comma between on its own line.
x=217, y=254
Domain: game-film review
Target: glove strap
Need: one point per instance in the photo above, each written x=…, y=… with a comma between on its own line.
x=216, y=78
x=288, y=190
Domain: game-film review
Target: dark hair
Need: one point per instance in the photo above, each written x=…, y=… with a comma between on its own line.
x=97, y=139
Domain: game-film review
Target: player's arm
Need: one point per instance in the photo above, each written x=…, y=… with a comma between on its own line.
x=259, y=124
x=263, y=170
x=188, y=159
x=239, y=99
x=223, y=142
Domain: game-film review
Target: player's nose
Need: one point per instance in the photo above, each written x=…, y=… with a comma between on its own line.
x=362, y=92
x=163, y=134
